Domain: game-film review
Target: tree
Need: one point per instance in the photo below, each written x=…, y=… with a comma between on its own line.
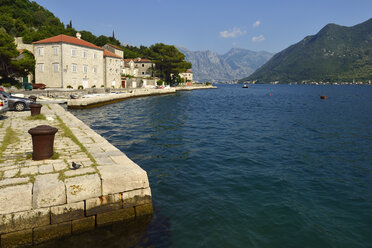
x=8, y=50
x=23, y=65
x=69, y=25
x=102, y=40
x=88, y=36
x=11, y=64
x=168, y=61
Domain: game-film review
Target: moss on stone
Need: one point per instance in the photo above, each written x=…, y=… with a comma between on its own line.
x=17, y=239
x=10, y=137
x=36, y=117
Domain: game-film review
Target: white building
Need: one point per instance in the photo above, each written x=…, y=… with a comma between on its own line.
x=187, y=75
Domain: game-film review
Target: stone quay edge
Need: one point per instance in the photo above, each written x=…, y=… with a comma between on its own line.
x=43, y=200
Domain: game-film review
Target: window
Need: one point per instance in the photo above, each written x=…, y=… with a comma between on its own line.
x=55, y=50
x=74, y=81
x=55, y=67
x=73, y=52
x=40, y=51
x=143, y=65
x=143, y=73
x=94, y=55
x=95, y=69
x=85, y=54
x=40, y=67
x=74, y=67
x=85, y=68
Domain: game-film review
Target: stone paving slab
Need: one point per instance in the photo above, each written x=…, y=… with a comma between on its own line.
x=43, y=195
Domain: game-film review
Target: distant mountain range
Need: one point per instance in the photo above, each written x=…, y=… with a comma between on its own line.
x=235, y=64
x=335, y=53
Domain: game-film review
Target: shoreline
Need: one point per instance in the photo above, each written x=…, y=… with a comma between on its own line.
x=100, y=100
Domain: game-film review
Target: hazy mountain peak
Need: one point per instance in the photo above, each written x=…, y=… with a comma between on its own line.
x=235, y=64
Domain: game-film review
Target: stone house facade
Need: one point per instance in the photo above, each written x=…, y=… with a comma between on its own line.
x=187, y=75
x=63, y=61
x=112, y=69
x=114, y=49
x=138, y=67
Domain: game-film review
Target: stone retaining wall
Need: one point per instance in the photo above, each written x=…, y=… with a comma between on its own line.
x=43, y=200
x=98, y=100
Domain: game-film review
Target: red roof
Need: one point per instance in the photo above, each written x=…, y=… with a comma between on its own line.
x=68, y=39
x=115, y=47
x=188, y=71
x=107, y=53
x=138, y=60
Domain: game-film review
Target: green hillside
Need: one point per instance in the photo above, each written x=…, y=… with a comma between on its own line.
x=27, y=19
x=335, y=54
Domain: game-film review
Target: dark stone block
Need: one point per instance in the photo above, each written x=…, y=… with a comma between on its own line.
x=137, y=200
x=145, y=209
x=103, y=208
x=16, y=239
x=45, y=233
x=82, y=225
x=69, y=215
x=115, y=216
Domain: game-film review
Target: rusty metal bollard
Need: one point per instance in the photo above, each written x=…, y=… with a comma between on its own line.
x=42, y=141
x=35, y=108
x=33, y=98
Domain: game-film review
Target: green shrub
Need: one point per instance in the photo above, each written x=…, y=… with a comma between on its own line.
x=102, y=86
x=69, y=87
x=80, y=87
x=93, y=86
x=159, y=82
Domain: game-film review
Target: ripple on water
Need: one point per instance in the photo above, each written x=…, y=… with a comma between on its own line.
x=271, y=166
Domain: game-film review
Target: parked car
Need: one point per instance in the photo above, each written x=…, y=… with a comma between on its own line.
x=3, y=105
x=16, y=103
x=39, y=86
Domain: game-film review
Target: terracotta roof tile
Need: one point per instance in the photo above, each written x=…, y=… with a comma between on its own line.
x=138, y=60
x=107, y=53
x=116, y=47
x=188, y=71
x=67, y=39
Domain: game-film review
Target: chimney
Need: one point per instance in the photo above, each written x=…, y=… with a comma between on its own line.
x=78, y=35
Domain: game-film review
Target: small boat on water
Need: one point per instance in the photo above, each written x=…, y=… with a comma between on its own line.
x=245, y=86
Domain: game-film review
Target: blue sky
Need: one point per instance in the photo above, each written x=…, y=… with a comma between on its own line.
x=270, y=25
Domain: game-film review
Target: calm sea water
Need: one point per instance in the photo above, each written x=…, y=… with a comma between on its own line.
x=267, y=166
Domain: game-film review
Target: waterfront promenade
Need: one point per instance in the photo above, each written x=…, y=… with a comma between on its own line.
x=91, y=101
x=43, y=200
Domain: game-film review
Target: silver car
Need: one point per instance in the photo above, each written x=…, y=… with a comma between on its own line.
x=16, y=103
x=3, y=105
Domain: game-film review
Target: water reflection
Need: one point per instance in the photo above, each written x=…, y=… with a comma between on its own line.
x=136, y=233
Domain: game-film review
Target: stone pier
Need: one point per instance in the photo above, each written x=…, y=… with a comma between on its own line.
x=43, y=200
x=103, y=99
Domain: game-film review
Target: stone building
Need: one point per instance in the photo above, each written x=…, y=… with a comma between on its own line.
x=63, y=61
x=114, y=49
x=187, y=75
x=112, y=68
x=138, y=67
